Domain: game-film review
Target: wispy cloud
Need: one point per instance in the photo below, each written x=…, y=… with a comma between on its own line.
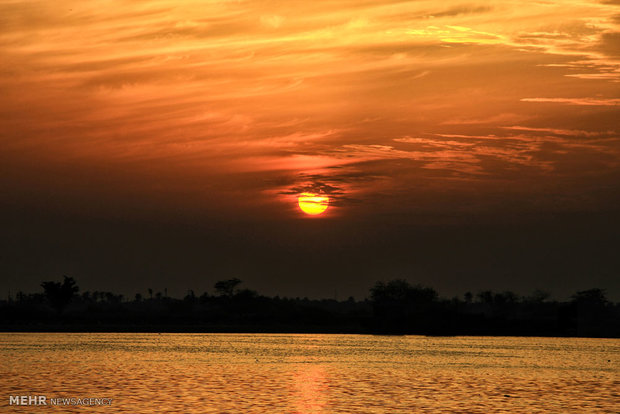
x=577, y=101
x=556, y=131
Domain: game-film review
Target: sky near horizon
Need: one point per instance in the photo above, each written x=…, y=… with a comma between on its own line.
x=211, y=118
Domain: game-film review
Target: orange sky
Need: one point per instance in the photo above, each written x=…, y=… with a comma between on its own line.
x=228, y=110
x=216, y=102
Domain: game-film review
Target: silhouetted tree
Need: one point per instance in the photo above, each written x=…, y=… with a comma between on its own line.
x=392, y=291
x=593, y=298
x=400, y=290
x=590, y=304
x=587, y=311
x=485, y=297
x=400, y=307
x=60, y=294
x=190, y=297
x=138, y=297
x=246, y=294
x=538, y=296
x=227, y=287
x=505, y=298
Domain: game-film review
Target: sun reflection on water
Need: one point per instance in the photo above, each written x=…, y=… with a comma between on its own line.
x=310, y=384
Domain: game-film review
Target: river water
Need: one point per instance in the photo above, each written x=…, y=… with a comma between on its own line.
x=257, y=373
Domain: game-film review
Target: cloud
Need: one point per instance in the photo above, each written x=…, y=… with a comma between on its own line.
x=460, y=10
x=492, y=120
x=577, y=101
x=432, y=142
x=610, y=44
x=556, y=131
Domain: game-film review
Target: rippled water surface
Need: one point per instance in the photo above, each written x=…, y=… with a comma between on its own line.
x=255, y=373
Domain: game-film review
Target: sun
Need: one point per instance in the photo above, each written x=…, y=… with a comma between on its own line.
x=313, y=204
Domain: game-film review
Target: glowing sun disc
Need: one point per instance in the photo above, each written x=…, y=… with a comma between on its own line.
x=312, y=204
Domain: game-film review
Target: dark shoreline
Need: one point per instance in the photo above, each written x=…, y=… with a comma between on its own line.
x=393, y=308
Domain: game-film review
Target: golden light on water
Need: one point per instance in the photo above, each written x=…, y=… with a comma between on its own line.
x=313, y=204
x=310, y=374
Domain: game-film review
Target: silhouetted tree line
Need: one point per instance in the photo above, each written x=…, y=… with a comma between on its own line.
x=394, y=307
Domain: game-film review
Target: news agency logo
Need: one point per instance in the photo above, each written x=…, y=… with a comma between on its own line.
x=43, y=400
x=27, y=400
